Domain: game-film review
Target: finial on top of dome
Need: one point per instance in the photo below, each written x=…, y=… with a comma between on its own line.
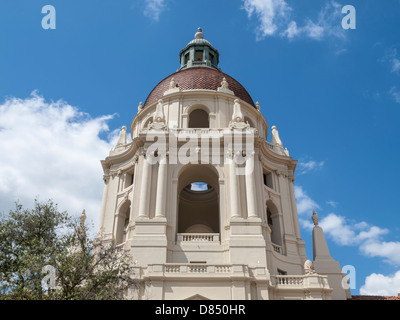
x=199, y=34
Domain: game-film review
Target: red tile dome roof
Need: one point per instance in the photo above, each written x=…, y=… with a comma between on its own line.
x=198, y=78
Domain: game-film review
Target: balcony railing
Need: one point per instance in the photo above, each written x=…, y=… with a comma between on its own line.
x=198, y=237
x=277, y=249
x=293, y=281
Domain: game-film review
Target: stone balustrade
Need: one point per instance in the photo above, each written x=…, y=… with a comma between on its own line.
x=197, y=237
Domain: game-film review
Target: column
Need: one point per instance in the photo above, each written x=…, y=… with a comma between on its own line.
x=145, y=187
x=250, y=187
x=161, y=188
x=233, y=187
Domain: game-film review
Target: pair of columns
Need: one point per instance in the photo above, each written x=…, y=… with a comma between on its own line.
x=145, y=187
x=162, y=187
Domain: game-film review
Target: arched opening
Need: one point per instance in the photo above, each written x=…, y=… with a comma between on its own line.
x=249, y=121
x=274, y=223
x=148, y=122
x=122, y=223
x=198, y=202
x=199, y=119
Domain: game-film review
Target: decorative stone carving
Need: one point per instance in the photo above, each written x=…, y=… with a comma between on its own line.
x=237, y=115
x=172, y=84
x=309, y=267
x=237, y=121
x=315, y=218
x=140, y=107
x=159, y=122
x=225, y=87
x=275, y=136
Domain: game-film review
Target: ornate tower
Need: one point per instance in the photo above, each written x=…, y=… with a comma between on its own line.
x=202, y=201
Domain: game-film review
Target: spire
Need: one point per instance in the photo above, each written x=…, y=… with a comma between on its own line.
x=199, y=53
x=320, y=247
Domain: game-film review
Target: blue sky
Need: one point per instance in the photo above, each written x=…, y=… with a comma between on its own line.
x=334, y=95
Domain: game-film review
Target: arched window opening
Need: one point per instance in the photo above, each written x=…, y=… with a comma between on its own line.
x=198, y=208
x=148, y=122
x=248, y=120
x=123, y=223
x=199, y=119
x=274, y=224
x=199, y=55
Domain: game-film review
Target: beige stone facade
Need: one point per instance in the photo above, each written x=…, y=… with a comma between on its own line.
x=204, y=204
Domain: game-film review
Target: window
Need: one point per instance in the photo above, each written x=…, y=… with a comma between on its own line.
x=128, y=179
x=268, y=180
x=187, y=58
x=199, y=119
x=122, y=223
x=199, y=55
x=281, y=272
x=211, y=57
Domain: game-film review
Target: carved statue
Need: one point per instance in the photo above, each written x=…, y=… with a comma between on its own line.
x=315, y=218
x=309, y=267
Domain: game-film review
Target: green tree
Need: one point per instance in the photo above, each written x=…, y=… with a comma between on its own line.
x=85, y=268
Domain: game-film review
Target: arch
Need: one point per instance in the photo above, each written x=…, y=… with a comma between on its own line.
x=122, y=222
x=147, y=122
x=198, y=208
x=197, y=297
x=249, y=121
x=196, y=173
x=272, y=218
x=199, y=118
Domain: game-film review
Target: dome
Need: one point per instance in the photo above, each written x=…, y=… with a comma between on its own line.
x=198, y=78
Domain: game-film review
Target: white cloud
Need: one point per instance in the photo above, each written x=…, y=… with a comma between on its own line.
x=335, y=226
x=395, y=65
x=344, y=232
x=378, y=284
x=391, y=57
x=332, y=203
x=367, y=238
x=275, y=19
x=272, y=14
x=395, y=94
x=389, y=251
x=310, y=165
x=199, y=186
x=305, y=205
x=51, y=150
x=154, y=8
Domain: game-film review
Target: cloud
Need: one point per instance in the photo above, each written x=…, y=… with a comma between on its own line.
x=332, y=203
x=305, y=207
x=345, y=232
x=378, y=284
x=51, y=150
x=154, y=8
x=199, y=186
x=392, y=58
x=367, y=238
x=389, y=251
x=272, y=14
x=395, y=94
x=274, y=17
x=308, y=166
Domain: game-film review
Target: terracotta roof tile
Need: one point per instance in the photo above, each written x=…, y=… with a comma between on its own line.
x=199, y=78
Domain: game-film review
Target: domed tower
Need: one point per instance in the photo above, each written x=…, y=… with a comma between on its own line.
x=203, y=203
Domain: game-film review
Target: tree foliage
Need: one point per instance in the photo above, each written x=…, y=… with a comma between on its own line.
x=31, y=239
